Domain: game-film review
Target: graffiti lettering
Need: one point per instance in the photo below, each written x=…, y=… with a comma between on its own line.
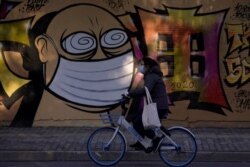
x=34, y=5
x=238, y=37
x=117, y=4
x=237, y=71
x=242, y=100
x=183, y=85
x=242, y=11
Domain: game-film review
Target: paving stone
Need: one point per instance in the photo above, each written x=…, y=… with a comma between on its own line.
x=59, y=142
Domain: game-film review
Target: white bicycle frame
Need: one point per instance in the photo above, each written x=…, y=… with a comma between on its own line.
x=146, y=142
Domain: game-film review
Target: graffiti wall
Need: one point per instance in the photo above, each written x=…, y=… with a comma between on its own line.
x=64, y=62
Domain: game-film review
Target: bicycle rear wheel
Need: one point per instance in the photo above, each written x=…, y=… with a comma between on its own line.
x=182, y=154
x=102, y=153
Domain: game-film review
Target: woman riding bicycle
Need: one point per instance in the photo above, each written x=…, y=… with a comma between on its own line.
x=155, y=84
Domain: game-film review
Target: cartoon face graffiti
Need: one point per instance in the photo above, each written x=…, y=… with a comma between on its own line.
x=87, y=57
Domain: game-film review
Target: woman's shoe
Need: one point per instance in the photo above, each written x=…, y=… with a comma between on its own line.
x=137, y=146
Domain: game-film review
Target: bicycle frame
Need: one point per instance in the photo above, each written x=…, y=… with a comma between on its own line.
x=124, y=123
x=146, y=142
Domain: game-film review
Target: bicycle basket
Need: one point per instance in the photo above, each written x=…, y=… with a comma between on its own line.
x=108, y=118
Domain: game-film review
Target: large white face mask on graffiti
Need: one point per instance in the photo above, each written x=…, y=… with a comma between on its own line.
x=93, y=83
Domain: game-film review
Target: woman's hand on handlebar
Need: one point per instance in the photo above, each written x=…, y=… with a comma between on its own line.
x=124, y=101
x=126, y=94
x=125, y=98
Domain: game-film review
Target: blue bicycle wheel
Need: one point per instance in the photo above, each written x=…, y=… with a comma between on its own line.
x=182, y=154
x=100, y=152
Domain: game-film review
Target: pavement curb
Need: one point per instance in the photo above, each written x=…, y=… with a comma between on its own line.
x=131, y=156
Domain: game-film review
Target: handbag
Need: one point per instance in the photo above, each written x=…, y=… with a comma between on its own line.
x=150, y=117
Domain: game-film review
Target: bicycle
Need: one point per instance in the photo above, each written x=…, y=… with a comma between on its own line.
x=106, y=146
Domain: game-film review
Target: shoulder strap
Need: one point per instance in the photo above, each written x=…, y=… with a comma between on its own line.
x=149, y=99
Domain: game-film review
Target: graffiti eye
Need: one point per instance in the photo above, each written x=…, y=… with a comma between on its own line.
x=79, y=43
x=114, y=38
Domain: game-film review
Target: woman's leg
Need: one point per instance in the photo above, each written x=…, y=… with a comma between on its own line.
x=138, y=126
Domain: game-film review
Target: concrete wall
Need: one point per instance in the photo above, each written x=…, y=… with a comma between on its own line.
x=64, y=62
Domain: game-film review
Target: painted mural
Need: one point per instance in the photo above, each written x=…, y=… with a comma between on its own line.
x=64, y=62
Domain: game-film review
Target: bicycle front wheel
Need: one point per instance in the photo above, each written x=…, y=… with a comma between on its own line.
x=181, y=154
x=104, y=151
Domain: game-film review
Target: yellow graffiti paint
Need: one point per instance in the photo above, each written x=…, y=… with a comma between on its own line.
x=9, y=81
x=15, y=31
x=239, y=35
x=181, y=18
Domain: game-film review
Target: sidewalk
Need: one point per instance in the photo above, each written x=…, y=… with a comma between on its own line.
x=69, y=143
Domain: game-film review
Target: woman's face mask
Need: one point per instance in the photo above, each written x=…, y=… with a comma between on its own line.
x=142, y=69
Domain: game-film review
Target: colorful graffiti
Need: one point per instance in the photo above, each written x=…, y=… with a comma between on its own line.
x=188, y=46
x=238, y=37
x=85, y=64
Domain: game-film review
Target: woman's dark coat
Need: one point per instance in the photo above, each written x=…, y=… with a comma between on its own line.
x=153, y=81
